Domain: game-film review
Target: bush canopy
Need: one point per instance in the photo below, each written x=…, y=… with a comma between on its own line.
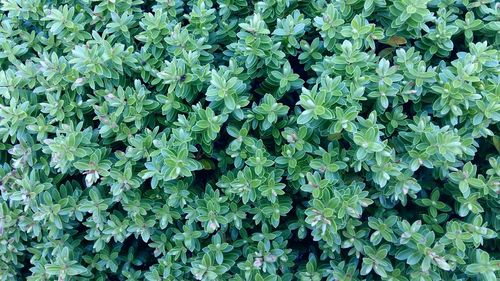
x=235, y=140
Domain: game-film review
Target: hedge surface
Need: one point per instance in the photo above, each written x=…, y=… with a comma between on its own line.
x=249, y=140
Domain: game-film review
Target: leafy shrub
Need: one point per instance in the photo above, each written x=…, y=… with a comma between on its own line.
x=249, y=140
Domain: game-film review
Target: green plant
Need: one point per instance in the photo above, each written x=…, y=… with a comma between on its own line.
x=265, y=140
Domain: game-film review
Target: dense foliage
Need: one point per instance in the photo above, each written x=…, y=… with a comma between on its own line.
x=249, y=140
